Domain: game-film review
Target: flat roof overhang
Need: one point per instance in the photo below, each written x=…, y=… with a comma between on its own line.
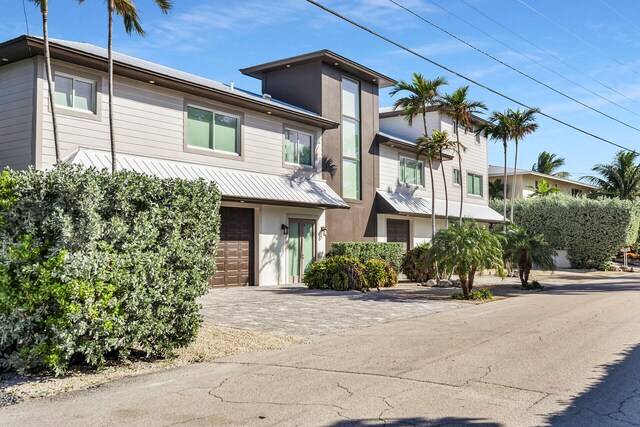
x=326, y=56
x=395, y=142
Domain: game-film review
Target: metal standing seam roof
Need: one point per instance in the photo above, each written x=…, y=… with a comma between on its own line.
x=405, y=203
x=233, y=184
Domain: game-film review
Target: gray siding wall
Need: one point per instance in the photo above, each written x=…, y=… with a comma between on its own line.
x=150, y=121
x=474, y=160
x=16, y=114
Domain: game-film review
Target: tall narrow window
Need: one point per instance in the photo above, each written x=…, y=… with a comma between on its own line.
x=351, y=185
x=457, y=177
x=298, y=147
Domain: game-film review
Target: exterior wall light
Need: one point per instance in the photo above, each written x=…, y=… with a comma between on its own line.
x=285, y=229
x=323, y=231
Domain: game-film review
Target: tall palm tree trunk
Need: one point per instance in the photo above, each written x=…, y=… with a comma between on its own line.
x=460, y=167
x=110, y=71
x=433, y=201
x=504, y=186
x=513, y=184
x=44, y=8
x=446, y=192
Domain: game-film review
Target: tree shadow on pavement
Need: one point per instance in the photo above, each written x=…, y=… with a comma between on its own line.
x=612, y=400
x=417, y=421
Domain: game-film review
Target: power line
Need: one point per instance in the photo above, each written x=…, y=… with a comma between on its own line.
x=511, y=67
x=620, y=14
x=470, y=80
x=568, y=31
x=524, y=55
x=26, y=21
x=556, y=57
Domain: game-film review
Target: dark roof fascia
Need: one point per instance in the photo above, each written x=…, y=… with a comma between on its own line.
x=282, y=203
x=326, y=56
x=26, y=46
x=402, y=144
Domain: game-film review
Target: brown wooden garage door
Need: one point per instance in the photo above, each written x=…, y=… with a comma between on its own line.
x=398, y=231
x=234, y=262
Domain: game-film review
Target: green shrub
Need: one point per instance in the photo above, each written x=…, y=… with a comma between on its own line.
x=391, y=253
x=477, y=295
x=340, y=273
x=379, y=274
x=416, y=264
x=94, y=264
x=592, y=231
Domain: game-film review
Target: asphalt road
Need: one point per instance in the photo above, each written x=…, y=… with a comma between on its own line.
x=568, y=356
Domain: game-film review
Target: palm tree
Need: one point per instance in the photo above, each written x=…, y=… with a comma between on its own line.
x=548, y=163
x=497, y=128
x=521, y=124
x=461, y=109
x=44, y=9
x=422, y=93
x=467, y=249
x=620, y=179
x=426, y=148
x=442, y=143
x=127, y=9
x=496, y=190
x=527, y=249
x=543, y=189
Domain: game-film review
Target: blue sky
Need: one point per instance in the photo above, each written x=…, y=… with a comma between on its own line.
x=215, y=38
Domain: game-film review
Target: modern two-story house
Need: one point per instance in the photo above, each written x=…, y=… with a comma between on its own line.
x=299, y=165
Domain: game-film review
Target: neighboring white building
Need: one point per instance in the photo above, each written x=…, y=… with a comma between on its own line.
x=527, y=181
x=405, y=186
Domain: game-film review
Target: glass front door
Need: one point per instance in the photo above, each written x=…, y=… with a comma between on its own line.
x=302, y=247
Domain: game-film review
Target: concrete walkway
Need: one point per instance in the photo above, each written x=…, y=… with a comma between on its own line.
x=565, y=357
x=298, y=311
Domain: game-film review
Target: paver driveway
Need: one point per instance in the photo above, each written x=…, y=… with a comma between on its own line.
x=298, y=311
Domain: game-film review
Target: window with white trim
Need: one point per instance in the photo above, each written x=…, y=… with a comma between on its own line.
x=213, y=130
x=457, y=177
x=351, y=184
x=474, y=184
x=298, y=147
x=455, y=127
x=74, y=93
x=411, y=172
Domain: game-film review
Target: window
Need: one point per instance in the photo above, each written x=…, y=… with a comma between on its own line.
x=478, y=136
x=298, y=147
x=457, y=177
x=576, y=192
x=455, y=127
x=411, y=172
x=350, y=139
x=212, y=130
x=474, y=184
x=74, y=92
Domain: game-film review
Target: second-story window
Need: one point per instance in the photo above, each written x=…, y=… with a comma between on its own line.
x=351, y=186
x=457, y=177
x=74, y=92
x=478, y=137
x=213, y=130
x=474, y=184
x=411, y=172
x=298, y=147
x=455, y=128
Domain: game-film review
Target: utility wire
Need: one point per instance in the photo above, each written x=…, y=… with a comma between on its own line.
x=568, y=31
x=524, y=55
x=511, y=67
x=620, y=14
x=470, y=80
x=548, y=52
x=26, y=21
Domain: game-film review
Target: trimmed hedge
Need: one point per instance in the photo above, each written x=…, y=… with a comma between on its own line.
x=389, y=252
x=94, y=265
x=344, y=273
x=592, y=231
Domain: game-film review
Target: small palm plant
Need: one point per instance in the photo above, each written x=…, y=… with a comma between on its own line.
x=496, y=190
x=543, y=188
x=467, y=249
x=526, y=249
